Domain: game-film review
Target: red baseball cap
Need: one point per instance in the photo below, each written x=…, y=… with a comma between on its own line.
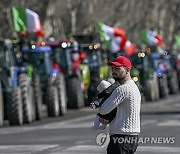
x=121, y=61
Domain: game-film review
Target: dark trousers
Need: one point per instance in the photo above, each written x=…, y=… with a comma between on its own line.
x=122, y=144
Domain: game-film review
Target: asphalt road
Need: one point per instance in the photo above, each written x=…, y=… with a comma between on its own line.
x=71, y=134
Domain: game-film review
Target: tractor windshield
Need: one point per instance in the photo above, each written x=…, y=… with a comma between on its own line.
x=94, y=57
x=7, y=58
x=62, y=56
x=39, y=60
x=2, y=58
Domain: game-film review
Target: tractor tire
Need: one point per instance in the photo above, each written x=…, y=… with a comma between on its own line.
x=15, y=107
x=156, y=88
x=52, y=101
x=74, y=93
x=62, y=95
x=150, y=93
x=86, y=98
x=163, y=87
x=27, y=99
x=37, y=97
x=1, y=106
x=173, y=84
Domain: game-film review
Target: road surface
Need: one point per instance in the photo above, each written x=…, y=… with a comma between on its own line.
x=71, y=134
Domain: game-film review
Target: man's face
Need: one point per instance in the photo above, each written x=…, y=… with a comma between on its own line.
x=119, y=73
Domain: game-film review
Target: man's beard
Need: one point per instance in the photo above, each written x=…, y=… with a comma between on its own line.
x=119, y=78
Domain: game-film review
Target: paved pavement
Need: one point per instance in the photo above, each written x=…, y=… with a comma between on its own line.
x=71, y=134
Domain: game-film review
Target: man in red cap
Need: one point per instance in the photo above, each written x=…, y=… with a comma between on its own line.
x=125, y=127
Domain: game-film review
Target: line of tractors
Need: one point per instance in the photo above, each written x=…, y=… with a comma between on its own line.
x=61, y=75
x=52, y=74
x=155, y=73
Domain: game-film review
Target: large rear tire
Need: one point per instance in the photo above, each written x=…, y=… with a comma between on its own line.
x=62, y=95
x=173, y=84
x=15, y=107
x=163, y=86
x=27, y=99
x=1, y=106
x=52, y=101
x=37, y=97
x=150, y=94
x=74, y=93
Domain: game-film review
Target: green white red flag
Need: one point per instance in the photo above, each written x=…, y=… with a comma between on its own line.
x=116, y=39
x=151, y=38
x=26, y=20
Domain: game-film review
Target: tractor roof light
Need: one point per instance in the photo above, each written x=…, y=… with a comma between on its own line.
x=64, y=45
x=135, y=79
x=90, y=47
x=141, y=55
x=96, y=46
x=148, y=49
x=33, y=46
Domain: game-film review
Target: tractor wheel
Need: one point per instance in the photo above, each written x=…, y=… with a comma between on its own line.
x=37, y=97
x=149, y=93
x=163, y=87
x=74, y=93
x=15, y=107
x=86, y=98
x=52, y=101
x=62, y=95
x=1, y=106
x=27, y=98
x=173, y=84
x=156, y=88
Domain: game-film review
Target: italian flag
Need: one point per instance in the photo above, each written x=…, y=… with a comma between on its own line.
x=130, y=48
x=117, y=38
x=26, y=20
x=177, y=39
x=151, y=38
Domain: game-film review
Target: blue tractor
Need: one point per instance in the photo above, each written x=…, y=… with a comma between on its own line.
x=158, y=65
x=51, y=78
x=15, y=87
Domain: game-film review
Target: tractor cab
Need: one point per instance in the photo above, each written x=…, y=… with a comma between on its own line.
x=39, y=57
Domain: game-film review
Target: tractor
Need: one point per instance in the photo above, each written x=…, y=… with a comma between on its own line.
x=77, y=74
x=97, y=61
x=145, y=76
x=17, y=105
x=50, y=76
x=170, y=70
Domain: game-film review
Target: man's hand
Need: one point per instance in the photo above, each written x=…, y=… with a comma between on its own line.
x=103, y=121
x=94, y=104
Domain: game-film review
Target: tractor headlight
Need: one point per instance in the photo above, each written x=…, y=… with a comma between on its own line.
x=135, y=79
x=64, y=45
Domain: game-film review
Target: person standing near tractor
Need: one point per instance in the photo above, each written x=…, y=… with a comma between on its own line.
x=126, y=124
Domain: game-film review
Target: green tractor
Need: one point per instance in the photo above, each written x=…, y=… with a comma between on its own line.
x=145, y=76
x=17, y=105
x=97, y=61
x=77, y=74
x=51, y=79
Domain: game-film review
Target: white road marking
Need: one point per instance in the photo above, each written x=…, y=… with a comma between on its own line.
x=79, y=149
x=147, y=122
x=22, y=149
x=158, y=149
x=169, y=123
